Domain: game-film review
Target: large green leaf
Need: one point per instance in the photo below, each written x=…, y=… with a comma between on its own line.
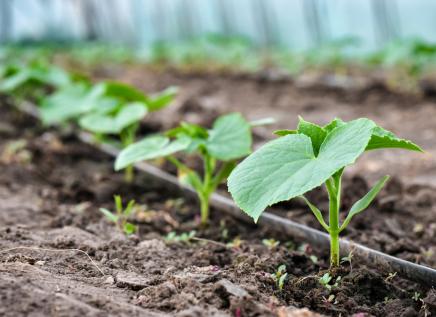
x=382, y=139
x=287, y=167
x=149, y=148
x=230, y=137
x=108, y=123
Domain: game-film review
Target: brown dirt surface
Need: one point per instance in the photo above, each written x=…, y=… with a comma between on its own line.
x=402, y=222
x=51, y=189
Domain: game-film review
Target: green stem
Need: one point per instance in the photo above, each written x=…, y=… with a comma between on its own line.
x=204, y=207
x=208, y=187
x=333, y=189
x=127, y=137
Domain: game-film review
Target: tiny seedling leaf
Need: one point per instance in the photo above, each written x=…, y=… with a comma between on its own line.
x=109, y=215
x=129, y=228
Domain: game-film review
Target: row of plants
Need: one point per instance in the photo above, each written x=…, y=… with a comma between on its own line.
x=285, y=168
x=404, y=61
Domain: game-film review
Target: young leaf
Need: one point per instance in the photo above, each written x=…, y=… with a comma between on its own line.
x=109, y=215
x=107, y=123
x=162, y=99
x=129, y=228
x=287, y=167
x=129, y=208
x=382, y=139
x=122, y=92
x=149, y=148
x=72, y=101
x=230, y=137
x=314, y=132
x=118, y=204
x=364, y=202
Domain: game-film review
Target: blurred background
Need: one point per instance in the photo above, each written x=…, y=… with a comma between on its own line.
x=296, y=24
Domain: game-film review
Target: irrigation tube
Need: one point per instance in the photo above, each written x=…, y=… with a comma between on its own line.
x=412, y=271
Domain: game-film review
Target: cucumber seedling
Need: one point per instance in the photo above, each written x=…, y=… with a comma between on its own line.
x=121, y=215
x=123, y=116
x=219, y=148
x=308, y=157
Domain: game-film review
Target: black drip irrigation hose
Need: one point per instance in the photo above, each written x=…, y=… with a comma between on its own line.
x=316, y=238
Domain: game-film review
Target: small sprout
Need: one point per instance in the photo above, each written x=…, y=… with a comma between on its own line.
x=308, y=157
x=390, y=276
x=271, y=243
x=416, y=296
x=326, y=279
x=331, y=298
x=121, y=216
x=235, y=243
x=280, y=276
x=348, y=259
x=184, y=237
x=314, y=259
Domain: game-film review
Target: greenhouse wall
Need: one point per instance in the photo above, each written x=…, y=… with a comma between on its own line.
x=286, y=23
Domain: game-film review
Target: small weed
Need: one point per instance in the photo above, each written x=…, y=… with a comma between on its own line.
x=280, y=276
x=121, y=216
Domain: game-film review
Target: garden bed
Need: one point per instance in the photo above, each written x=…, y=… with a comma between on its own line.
x=401, y=223
x=52, y=188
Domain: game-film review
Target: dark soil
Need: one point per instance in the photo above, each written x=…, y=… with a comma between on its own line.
x=51, y=189
x=403, y=220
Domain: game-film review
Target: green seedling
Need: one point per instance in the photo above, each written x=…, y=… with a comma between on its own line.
x=185, y=237
x=271, y=243
x=30, y=77
x=326, y=279
x=308, y=157
x=219, y=148
x=121, y=215
x=280, y=276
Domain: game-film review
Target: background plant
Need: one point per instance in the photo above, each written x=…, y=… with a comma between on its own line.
x=306, y=158
x=219, y=148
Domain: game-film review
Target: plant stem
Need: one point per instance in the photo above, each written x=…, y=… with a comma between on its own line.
x=204, y=208
x=127, y=137
x=208, y=187
x=333, y=188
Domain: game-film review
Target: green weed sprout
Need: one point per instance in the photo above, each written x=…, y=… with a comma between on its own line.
x=326, y=279
x=219, y=148
x=121, y=216
x=280, y=276
x=308, y=157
